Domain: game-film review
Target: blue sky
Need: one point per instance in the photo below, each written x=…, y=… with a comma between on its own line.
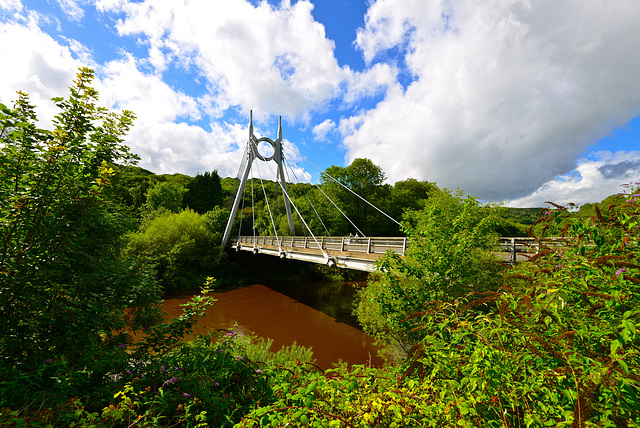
x=510, y=100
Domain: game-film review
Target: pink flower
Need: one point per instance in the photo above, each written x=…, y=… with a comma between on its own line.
x=619, y=271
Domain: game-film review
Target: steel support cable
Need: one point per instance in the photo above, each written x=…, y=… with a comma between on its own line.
x=286, y=195
x=288, y=180
x=336, y=206
x=378, y=209
x=241, y=214
x=307, y=196
x=266, y=198
x=253, y=211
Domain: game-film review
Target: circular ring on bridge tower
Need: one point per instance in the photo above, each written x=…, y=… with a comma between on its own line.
x=257, y=149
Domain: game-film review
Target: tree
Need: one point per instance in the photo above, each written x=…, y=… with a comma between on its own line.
x=182, y=246
x=450, y=254
x=204, y=192
x=164, y=194
x=353, y=189
x=64, y=289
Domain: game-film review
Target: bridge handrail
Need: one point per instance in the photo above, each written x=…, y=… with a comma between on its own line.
x=379, y=245
x=370, y=245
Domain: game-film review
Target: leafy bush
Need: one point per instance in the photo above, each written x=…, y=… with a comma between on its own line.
x=160, y=381
x=450, y=254
x=64, y=290
x=182, y=246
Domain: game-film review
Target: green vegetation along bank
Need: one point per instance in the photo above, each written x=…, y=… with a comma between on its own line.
x=89, y=243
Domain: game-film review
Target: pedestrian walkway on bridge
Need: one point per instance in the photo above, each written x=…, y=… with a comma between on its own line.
x=359, y=252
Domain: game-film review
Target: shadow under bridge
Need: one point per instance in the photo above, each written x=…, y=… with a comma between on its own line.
x=345, y=252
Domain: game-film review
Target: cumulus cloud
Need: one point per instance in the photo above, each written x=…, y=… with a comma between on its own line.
x=37, y=65
x=44, y=68
x=321, y=130
x=273, y=58
x=591, y=181
x=506, y=95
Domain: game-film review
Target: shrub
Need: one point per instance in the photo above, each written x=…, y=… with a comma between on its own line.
x=450, y=254
x=182, y=246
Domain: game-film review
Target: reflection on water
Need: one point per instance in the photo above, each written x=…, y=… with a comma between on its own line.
x=269, y=313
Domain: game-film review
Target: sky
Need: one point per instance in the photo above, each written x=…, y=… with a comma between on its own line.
x=512, y=101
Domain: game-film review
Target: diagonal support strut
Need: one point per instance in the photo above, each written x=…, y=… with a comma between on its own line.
x=252, y=152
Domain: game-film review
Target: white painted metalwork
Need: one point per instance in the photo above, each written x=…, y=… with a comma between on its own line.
x=250, y=155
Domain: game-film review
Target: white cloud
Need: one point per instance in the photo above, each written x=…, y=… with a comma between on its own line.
x=169, y=147
x=321, y=130
x=38, y=65
x=507, y=93
x=72, y=9
x=591, y=181
x=43, y=68
x=11, y=5
x=124, y=86
x=274, y=60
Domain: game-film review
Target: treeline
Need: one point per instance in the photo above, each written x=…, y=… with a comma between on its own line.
x=89, y=244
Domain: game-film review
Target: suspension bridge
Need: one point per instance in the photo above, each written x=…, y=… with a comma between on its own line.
x=359, y=252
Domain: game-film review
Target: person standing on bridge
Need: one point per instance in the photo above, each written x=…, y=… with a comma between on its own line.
x=350, y=238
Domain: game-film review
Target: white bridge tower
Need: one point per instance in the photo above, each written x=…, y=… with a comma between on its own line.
x=252, y=152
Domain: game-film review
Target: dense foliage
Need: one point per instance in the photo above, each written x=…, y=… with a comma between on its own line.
x=451, y=254
x=556, y=345
x=64, y=288
x=550, y=342
x=184, y=247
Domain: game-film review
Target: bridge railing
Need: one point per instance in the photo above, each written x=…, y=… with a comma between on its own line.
x=379, y=245
x=369, y=245
x=529, y=245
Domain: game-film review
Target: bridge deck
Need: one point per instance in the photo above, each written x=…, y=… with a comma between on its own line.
x=352, y=253
x=361, y=253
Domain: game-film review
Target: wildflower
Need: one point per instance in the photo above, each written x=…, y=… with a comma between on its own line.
x=122, y=345
x=230, y=334
x=162, y=370
x=47, y=361
x=129, y=372
x=216, y=383
x=619, y=271
x=259, y=371
x=170, y=381
x=186, y=395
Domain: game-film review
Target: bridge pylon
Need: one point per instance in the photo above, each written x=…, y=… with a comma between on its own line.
x=251, y=153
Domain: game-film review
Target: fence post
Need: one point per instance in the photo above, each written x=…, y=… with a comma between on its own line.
x=513, y=251
x=369, y=246
x=342, y=245
x=404, y=246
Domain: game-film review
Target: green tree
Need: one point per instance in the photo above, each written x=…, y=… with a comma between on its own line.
x=203, y=192
x=183, y=247
x=353, y=189
x=64, y=289
x=164, y=194
x=450, y=254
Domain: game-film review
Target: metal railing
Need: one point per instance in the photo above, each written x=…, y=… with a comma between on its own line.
x=348, y=244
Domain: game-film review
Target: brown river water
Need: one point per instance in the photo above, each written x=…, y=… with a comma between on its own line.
x=270, y=313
